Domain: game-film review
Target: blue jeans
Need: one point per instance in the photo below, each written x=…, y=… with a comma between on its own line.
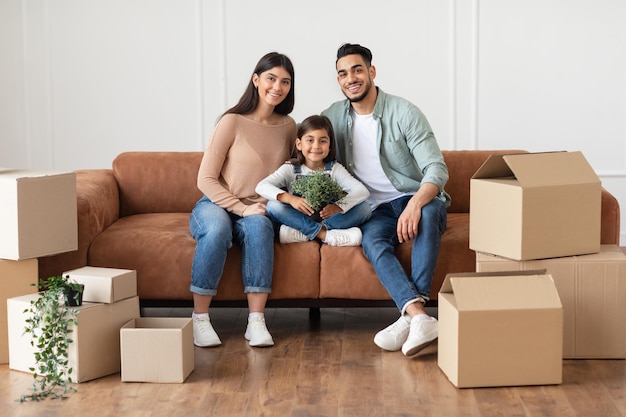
x=285, y=214
x=214, y=230
x=380, y=240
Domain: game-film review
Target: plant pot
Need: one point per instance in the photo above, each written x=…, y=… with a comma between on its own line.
x=73, y=297
x=316, y=215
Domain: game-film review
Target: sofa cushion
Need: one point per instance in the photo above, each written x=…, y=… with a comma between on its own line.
x=160, y=248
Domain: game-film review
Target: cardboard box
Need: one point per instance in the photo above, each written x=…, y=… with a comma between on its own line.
x=157, y=349
x=592, y=289
x=16, y=278
x=38, y=214
x=534, y=206
x=95, y=350
x=105, y=285
x=501, y=329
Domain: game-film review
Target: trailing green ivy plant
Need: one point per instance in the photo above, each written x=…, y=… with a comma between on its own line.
x=49, y=323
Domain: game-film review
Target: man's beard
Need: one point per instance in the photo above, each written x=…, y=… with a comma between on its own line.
x=368, y=87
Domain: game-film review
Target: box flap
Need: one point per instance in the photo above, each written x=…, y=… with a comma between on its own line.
x=505, y=290
x=539, y=169
x=493, y=167
x=551, y=168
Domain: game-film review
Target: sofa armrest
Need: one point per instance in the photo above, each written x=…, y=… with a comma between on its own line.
x=610, y=233
x=98, y=206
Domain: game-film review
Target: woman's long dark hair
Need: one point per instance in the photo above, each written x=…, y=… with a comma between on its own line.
x=250, y=97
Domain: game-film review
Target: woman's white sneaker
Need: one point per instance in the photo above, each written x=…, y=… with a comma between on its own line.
x=393, y=336
x=203, y=333
x=257, y=333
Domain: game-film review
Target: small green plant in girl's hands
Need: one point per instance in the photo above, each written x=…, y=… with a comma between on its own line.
x=318, y=188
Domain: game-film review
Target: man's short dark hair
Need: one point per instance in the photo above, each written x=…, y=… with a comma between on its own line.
x=354, y=48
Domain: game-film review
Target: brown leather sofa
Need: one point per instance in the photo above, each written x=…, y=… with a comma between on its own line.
x=136, y=216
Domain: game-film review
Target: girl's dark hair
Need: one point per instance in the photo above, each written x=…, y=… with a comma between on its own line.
x=250, y=97
x=355, y=49
x=313, y=123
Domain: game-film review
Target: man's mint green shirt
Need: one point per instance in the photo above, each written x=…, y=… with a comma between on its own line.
x=409, y=153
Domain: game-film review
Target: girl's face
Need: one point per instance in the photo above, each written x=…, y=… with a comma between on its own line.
x=273, y=85
x=315, y=146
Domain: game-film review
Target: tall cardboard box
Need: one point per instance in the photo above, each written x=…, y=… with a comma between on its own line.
x=38, y=214
x=592, y=289
x=95, y=350
x=157, y=349
x=501, y=329
x=16, y=278
x=105, y=285
x=534, y=206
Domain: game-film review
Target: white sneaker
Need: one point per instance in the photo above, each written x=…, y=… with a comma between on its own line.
x=344, y=237
x=393, y=336
x=288, y=234
x=257, y=333
x=203, y=333
x=423, y=331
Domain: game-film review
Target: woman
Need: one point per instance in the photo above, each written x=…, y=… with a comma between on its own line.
x=250, y=141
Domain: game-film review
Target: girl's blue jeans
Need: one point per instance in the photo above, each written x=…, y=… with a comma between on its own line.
x=285, y=214
x=214, y=230
x=380, y=240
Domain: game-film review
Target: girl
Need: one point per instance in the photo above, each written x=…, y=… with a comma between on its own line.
x=249, y=142
x=315, y=151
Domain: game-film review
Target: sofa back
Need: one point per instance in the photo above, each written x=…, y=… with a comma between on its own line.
x=165, y=182
x=157, y=182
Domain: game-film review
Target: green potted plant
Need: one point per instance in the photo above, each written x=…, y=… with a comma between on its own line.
x=49, y=323
x=319, y=189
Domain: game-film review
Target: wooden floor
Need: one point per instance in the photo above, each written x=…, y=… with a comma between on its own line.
x=329, y=368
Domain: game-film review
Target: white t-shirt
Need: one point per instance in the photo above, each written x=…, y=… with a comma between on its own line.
x=367, y=167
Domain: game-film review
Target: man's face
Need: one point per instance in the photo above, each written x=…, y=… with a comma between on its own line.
x=354, y=77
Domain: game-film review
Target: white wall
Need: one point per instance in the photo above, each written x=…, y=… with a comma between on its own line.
x=83, y=80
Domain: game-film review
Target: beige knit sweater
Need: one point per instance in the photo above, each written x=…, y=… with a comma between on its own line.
x=240, y=154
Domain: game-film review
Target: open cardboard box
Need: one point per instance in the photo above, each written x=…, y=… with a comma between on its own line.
x=535, y=205
x=500, y=329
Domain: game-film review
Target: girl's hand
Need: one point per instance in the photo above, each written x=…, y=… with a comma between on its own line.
x=330, y=210
x=296, y=202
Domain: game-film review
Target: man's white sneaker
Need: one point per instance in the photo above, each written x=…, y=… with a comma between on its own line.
x=203, y=333
x=393, y=336
x=344, y=237
x=288, y=234
x=423, y=331
x=257, y=333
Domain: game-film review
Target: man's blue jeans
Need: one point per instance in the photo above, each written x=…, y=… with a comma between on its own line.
x=285, y=214
x=380, y=240
x=214, y=230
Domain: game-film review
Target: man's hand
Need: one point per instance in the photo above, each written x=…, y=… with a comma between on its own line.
x=408, y=222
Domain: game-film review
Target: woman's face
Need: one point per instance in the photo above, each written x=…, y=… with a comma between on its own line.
x=273, y=85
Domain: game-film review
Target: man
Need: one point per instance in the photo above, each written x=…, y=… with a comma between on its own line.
x=387, y=143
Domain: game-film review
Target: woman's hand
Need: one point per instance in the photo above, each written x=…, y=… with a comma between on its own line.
x=252, y=209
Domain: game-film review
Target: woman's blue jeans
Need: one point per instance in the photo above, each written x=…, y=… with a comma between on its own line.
x=214, y=230
x=380, y=240
x=285, y=214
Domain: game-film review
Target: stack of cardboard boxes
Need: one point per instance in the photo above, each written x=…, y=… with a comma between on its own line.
x=38, y=217
x=109, y=301
x=533, y=215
